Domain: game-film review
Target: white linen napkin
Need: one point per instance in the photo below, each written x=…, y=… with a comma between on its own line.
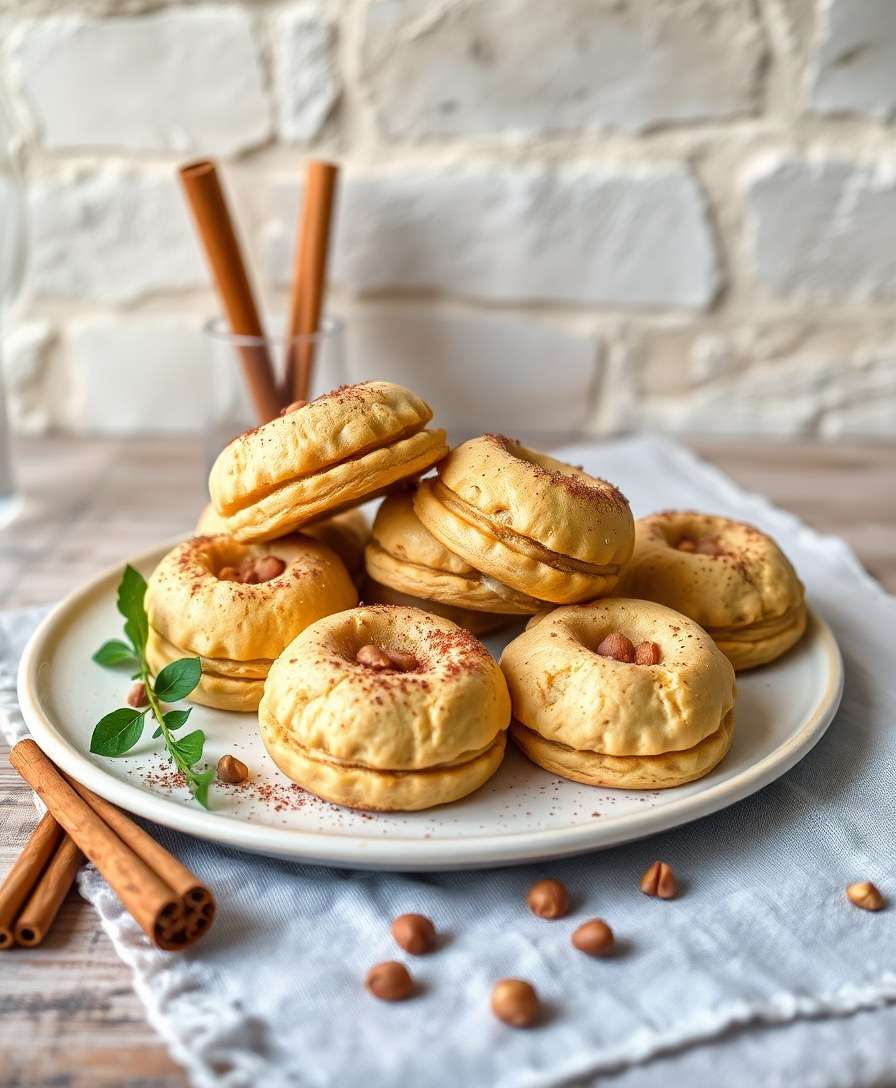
x=762, y=935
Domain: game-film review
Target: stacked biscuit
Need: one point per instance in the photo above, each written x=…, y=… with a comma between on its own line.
x=395, y=704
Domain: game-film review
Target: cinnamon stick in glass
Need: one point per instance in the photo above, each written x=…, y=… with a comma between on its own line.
x=25, y=873
x=145, y=894
x=33, y=924
x=309, y=276
x=222, y=249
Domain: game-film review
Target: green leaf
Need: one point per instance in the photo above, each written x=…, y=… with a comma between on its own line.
x=200, y=784
x=174, y=719
x=178, y=679
x=118, y=732
x=189, y=748
x=131, y=592
x=115, y=652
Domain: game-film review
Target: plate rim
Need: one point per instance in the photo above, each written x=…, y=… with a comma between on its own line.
x=405, y=854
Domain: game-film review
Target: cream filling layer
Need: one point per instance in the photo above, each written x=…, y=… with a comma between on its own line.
x=250, y=498
x=515, y=541
x=505, y=592
x=760, y=630
x=726, y=721
x=226, y=668
x=316, y=755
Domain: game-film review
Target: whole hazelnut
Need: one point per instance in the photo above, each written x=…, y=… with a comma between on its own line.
x=232, y=770
x=402, y=661
x=865, y=895
x=137, y=695
x=268, y=567
x=659, y=881
x=415, y=933
x=389, y=981
x=515, y=1002
x=618, y=647
x=595, y=938
x=246, y=572
x=548, y=899
x=373, y=657
x=686, y=545
x=647, y=653
x=708, y=546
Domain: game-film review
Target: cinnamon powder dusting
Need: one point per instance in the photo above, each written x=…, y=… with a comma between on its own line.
x=275, y=796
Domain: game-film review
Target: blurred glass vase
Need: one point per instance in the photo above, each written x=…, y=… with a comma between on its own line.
x=229, y=409
x=12, y=264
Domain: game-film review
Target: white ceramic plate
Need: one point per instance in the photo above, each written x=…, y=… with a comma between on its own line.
x=522, y=814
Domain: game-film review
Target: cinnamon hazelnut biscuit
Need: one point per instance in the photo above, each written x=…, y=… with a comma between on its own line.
x=727, y=575
x=403, y=555
x=542, y=527
x=583, y=708
x=345, y=533
x=236, y=606
x=325, y=456
x=385, y=708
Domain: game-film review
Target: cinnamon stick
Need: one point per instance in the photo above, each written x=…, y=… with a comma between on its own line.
x=222, y=249
x=309, y=276
x=33, y=924
x=198, y=901
x=145, y=895
x=25, y=873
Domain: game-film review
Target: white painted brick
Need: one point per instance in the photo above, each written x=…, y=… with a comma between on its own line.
x=628, y=237
x=480, y=373
x=305, y=72
x=824, y=228
x=855, y=57
x=112, y=235
x=799, y=398
x=511, y=67
x=770, y=380
x=147, y=375
x=166, y=81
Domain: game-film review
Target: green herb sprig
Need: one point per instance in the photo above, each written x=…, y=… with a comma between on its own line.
x=118, y=732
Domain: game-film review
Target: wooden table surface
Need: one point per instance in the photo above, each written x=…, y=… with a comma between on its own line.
x=68, y=1015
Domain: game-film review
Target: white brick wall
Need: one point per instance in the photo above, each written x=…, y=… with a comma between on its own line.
x=577, y=215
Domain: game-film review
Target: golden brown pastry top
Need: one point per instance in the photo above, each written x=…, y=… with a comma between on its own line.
x=347, y=422
x=215, y=617
x=559, y=506
x=564, y=690
x=747, y=581
x=452, y=704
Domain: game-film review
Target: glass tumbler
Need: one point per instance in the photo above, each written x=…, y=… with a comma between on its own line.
x=12, y=263
x=229, y=410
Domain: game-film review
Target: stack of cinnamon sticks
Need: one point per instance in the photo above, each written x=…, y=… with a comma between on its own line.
x=218, y=236
x=169, y=903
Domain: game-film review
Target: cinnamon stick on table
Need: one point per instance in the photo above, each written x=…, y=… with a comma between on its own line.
x=25, y=874
x=144, y=881
x=199, y=904
x=222, y=248
x=33, y=924
x=309, y=276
